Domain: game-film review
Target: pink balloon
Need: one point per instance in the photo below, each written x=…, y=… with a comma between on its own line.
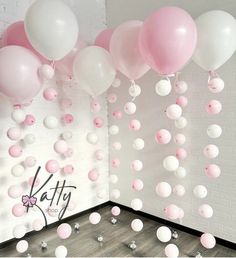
x=112, y=97
x=117, y=114
x=15, y=191
x=95, y=106
x=181, y=213
x=15, y=151
x=98, y=122
x=208, y=240
x=68, y=169
x=137, y=185
x=60, y=146
x=213, y=107
x=65, y=65
x=29, y=120
x=115, y=163
x=38, y=224
x=52, y=166
x=36, y=183
x=182, y=101
x=50, y=94
x=30, y=161
x=163, y=136
x=67, y=118
x=212, y=171
x=181, y=154
x=46, y=72
x=18, y=210
x=64, y=231
x=69, y=153
x=19, y=78
x=168, y=39
x=15, y=35
x=103, y=39
x=134, y=125
x=14, y=133
x=93, y=175
x=172, y=212
x=125, y=51
x=99, y=155
x=66, y=103
x=115, y=211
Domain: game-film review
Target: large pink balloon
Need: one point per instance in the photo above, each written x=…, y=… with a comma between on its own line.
x=125, y=51
x=15, y=35
x=168, y=39
x=103, y=39
x=65, y=65
x=19, y=78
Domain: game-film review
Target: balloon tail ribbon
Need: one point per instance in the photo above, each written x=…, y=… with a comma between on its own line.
x=52, y=64
x=133, y=88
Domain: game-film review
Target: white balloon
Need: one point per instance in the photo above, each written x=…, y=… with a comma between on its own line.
x=136, y=204
x=171, y=251
x=214, y=131
x=67, y=135
x=200, y=191
x=29, y=138
x=116, y=83
x=130, y=108
x=138, y=144
x=94, y=218
x=50, y=122
x=174, y=111
x=216, y=39
x=171, y=163
x=181, y=122
x=116, y=145
x=52, y=33
x=211, y=151
x=19, y=231
x=14, y=133
x=164, y=234
x=94, y=70
x=163, y=189
x=180, y=172
x=17, y=170
x=102, y=193
x=115, y=193
x=99, y=155
x=216, y=85
x=179, y=190
x=205, y=211
x=15, y=191
x=18, y=115
x=134, y=90
x=46, y=72
x=137, y=225
x=22, y=246
x=114, y=129
x=61, y=251
x=92, y=138
x=114, y=179
x=163, y=87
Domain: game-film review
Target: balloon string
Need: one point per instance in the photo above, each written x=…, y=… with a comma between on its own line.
x=212, y=74
x=52, y=64
x=133, y=86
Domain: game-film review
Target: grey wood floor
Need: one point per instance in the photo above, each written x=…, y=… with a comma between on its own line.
x=116, y=239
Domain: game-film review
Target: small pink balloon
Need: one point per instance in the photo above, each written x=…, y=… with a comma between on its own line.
x=36, y=183
x=103, y=39
x=171, y=251
x=29, y=120
x=213, y=107
x=98, y=122
x=18, y=210
x=115, y=163
x=95, y=106
x=212, y=171
x=181, y=154
x=67, y=118
x=179, y=139
x=68, y=169
x=208, y=240
x=205, y=211
x=99, y=155
x=182, y=101
x=172, y=212
x=136, y=165
x=52, y=166
x=15, y=191
x=38, y=224
x=181, y=87
x=66, y=103
x=15, y=151
x=117, y=114
x=46, y=72
x=134, y=125
x=50, y=94
x=112, y=98
x=137, y=184
x=179, y=190
x=163, y=136
x=64, y=231
x=93, y=175
x=30, y=161
x=181, y=213
x=14, y=133
x=115, y=211
x=69, y=153
x=130, y=108
x=60, y=146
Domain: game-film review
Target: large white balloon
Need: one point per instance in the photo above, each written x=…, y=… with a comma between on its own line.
x=61, y=251
x=94, y=70
x=51, y=28
x=216, y=39
x=164, y=234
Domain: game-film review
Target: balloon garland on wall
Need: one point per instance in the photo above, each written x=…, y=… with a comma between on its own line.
x=32, y=50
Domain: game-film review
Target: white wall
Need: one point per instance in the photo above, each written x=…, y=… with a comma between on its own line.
x=150, y=111
x=91, y=17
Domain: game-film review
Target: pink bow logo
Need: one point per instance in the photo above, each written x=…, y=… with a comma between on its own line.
x=29, y=201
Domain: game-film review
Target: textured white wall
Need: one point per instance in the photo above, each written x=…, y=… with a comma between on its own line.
x=150, y=111
x=91, y=17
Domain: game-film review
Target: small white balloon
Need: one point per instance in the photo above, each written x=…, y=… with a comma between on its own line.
x=17, y=170
x=200, y=191
x=134, y=90
x=205, y=211
x=113, y=179
x=102, y=193
x=19, y=231
x=174, y=111
x=136, y=204
x=51, y=122
x=181, y=172
x=67, y=135
x=137, y=165
x=171, y=251
x=179, y=190
x=171, y=163
x=92, y=138
x=14, y=133
x=61, y=251
x=137, y=225
x=116, y=145
x=114, y=129
x=115, y=193
x=94, y=218
x=163, y=87
x=116, y=83
x=163, y=189
x=138, y=144
x=22, y=246
x=29, y=138
x=181, y=122
x=130, y=108
x=46, y=72
x=99, y=155
x=214, y=131
x=181, y=87
x=216, y=85
x=211, y=151
x=164, y=234
x=18, y=115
